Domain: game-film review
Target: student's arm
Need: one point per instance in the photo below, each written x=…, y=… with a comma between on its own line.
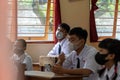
x=60, y=69
x=67, y=48
x=28, y=63
x=53, y=52
x=77, y=71
x=65, y=63
x=90, y=63
x=61, y=59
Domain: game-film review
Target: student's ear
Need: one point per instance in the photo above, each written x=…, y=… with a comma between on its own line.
x=82, y=40
x=111, y=56
x=65, y=33
x=24, y=48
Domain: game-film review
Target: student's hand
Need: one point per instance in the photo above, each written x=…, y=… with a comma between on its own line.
x=61, y=58
x=57, y=69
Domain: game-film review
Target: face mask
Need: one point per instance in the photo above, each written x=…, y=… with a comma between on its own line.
x=59, y=35
x=77, y=45
x=100, y=58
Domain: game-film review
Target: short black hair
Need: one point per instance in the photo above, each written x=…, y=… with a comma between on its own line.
x=23, y=42
x=112, y=45
x=79, y=32
x=65, y=26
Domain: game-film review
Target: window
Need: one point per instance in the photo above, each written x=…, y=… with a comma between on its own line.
x=108, y=19
x=35, y=20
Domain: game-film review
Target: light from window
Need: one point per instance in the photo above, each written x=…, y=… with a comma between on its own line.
x=108, y=18
x=35, y=20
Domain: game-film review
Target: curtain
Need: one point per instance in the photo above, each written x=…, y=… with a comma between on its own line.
x=57, y=16
x=93, y=31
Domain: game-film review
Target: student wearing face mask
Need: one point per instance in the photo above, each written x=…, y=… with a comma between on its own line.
x=81, y=59
x=20, y=56
x=109, y=56
x=63, y=46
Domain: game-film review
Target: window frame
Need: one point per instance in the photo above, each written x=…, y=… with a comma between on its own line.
x=114, y=23
x=44, y=38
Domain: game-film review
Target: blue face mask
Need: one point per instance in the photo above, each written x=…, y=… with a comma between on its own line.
x=100, y=58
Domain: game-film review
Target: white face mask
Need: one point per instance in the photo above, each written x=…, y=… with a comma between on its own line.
x=59, y=35
x=76, y=45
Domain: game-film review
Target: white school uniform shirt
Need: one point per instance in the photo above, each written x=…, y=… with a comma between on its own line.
x=87, y=60
x=111, y=73
x=24, y=59
x=66, y=48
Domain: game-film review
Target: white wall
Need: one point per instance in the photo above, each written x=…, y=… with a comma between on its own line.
x=75, y=13
x=35, y=50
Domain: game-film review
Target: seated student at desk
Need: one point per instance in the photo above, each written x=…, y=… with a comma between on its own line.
x=63, y=45
x=20, y=56
x=109, y=56
x=81, y=60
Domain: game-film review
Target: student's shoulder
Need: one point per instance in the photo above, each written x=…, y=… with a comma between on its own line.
x=118, y=67
x=73, y=53
x=27, y=55
x=91, y=48
x=66, y=40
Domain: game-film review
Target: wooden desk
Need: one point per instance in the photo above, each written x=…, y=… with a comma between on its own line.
x=36, y=66
x=38, y=75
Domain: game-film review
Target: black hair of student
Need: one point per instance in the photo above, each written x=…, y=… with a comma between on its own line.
x=79, y=32
x=65, y=26
x=23, y=42
x=113, y=47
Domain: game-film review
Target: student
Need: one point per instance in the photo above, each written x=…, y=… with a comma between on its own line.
x=109, y=56
x=63, y=45
x=20, y=56
x=81, y=59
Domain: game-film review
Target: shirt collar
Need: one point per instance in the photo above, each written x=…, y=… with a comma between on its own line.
x=21, y=58
x=110, y=72
x=82, y=51
x=62, y=42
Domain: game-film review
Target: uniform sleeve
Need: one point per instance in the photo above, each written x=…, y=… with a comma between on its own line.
x=53, y=52
x=118, y=77
x=90, y=62
x=68, y=62
x=67, y=49
x=28, y=63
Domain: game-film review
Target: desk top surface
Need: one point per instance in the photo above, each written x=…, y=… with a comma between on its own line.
x=48, y=74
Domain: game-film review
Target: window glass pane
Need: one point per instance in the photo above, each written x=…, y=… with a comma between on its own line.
x=104, y=30
x=118, y=32
x=31, y=31
x=31, y=19
x=104, y=17
x=104, y=21
x=51, y=25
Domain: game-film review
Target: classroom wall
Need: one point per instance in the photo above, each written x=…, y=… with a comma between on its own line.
x=73, y=12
